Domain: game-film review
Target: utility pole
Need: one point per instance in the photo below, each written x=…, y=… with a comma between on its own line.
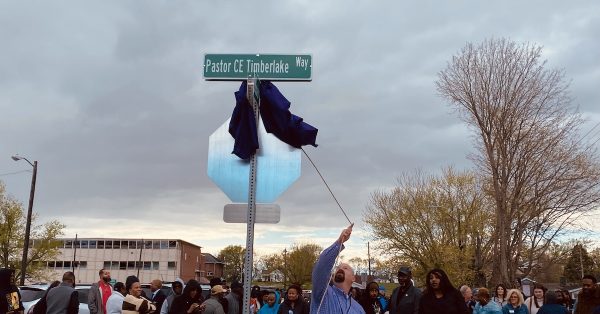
x=29, y=213
x=369, y=257
x=581, y=260
x=74, y=254
x=140, y=259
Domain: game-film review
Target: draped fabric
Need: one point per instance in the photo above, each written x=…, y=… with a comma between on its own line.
x=276, y=117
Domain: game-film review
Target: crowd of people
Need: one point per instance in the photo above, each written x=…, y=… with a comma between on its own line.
x=439, y=294
x=331, y=293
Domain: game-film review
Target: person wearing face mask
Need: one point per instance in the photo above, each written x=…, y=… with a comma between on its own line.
x=334, y=298
x=99, y=293
x=405, y=297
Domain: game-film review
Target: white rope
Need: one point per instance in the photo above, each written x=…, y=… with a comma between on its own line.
x=327, y=283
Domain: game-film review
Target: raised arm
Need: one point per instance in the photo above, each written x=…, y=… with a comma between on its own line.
x=322, y=269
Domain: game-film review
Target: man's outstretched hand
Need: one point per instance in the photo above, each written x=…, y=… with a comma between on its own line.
x=345, y=235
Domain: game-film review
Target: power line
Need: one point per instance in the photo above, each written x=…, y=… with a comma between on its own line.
x=16, y=172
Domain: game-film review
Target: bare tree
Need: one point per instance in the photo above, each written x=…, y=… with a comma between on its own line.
x=540, y=172
x=428, y=221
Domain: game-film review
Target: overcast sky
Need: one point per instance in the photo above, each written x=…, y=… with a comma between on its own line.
x=109, y=97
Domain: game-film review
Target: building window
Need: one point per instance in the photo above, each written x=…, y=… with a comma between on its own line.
x=132, y=244
x=84, y=244
x=92, y=244
x=122, y=265
x=67, y=264
x=131, y=265
x=124, y=245
x=172, y=265
x=139, y=244
x=114, y=265
x=76, y=244
x=116, y=244
x=172, y=244
x=58, y=264
x=156, y=245
x=164, y=245
x=101, y=244
x=82, y=264
x=155, y=265
x=68, y=244
x=51, y=264
x=106, y=265
x=210, y=273
x=148, y=244
x=147, y=265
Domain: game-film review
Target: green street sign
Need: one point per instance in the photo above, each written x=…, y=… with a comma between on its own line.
x=236, y=67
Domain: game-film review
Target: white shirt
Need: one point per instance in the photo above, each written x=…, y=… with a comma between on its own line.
x=114, y=304
x=530, y=302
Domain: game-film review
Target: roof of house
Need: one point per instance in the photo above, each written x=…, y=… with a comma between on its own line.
x=211, y=259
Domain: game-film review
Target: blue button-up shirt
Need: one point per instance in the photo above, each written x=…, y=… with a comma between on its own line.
x=334, y=299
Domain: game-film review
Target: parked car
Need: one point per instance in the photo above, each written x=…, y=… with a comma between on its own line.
x=30, y=295
x=166, y=288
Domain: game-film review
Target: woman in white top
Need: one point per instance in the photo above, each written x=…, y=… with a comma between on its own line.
x=536, y=301
x=500, y=296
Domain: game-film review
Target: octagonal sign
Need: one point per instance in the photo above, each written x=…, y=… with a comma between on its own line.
x=278, y=166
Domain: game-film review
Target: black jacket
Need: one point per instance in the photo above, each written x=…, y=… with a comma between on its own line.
x=300, y=307
x=10, y=298
x=408, y=302
x=158, y=299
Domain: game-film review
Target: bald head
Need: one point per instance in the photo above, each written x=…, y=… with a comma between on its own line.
x=156, y=284
x=344, y=277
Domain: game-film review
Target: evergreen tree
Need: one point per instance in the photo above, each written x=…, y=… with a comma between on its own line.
x=579, y=257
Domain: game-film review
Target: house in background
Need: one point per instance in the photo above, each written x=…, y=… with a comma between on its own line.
x=213, y=266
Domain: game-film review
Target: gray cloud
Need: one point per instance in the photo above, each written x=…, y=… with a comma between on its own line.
x=110, y=98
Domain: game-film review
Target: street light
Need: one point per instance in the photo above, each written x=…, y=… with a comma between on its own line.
x=29, y=210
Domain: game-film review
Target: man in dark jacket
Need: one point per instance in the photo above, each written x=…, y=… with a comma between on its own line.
x=589, y=296
x=406, y=297
x=10, y=298
x=63, y=299
x=157, y=295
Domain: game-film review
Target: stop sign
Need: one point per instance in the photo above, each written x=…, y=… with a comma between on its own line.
x=278, y=166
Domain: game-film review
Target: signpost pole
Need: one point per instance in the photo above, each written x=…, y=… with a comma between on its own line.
x=253, y=98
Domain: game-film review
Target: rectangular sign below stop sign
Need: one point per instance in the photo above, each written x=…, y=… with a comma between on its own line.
x=265, y=213
x=272, y=67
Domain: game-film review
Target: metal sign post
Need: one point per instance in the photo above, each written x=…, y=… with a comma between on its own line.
x=275, y=155
x=254, y=99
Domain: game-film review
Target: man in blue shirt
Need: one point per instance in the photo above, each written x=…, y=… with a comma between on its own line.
x=334, y=298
